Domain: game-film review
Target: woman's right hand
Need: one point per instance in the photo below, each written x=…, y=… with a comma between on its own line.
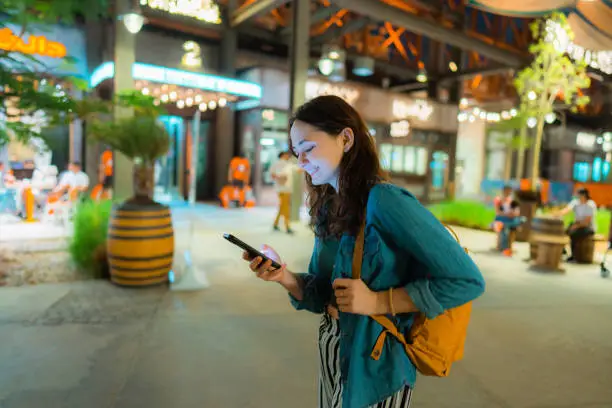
x=265, y=270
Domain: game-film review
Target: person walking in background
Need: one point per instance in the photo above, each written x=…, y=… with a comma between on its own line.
x=585, y=218
x=282, y=174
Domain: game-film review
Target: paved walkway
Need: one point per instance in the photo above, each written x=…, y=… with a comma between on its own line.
x=535, y=341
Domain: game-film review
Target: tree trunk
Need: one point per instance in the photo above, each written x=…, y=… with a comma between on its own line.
x=143, y=182
x=535, y=170
x=520, y=163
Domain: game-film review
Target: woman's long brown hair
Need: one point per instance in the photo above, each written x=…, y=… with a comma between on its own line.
x=334, y=213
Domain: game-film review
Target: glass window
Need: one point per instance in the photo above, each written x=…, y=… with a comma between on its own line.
x=421, y=161
x=385, y=155
x=404, y=159
x=597, y=169
x=582, y=171
x=439, y=170
x=271, y=145
x=409, y=159
x=397, y=159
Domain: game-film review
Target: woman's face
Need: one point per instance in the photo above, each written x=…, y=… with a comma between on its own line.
x=319, y=153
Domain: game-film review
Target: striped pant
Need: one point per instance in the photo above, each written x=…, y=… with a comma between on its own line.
x=330, y=386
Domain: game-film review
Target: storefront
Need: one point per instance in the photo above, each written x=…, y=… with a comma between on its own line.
x=178, y=72
x=50, y=46
x=415, y=137
x=576, y=155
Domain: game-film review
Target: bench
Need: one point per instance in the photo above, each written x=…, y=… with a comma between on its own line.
x=549, y=250
x=585, y=248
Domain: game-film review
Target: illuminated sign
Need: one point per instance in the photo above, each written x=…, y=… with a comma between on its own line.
x=586, y=140
x=316, y=88
x=400, y=129
x=417, y=109
x=204, y=10
x=34, y=45
x=192, y=57
x=163, y=75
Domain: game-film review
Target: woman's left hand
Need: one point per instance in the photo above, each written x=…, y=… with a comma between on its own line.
x=353, y=296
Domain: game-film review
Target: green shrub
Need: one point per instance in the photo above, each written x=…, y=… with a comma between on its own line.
x=471, y=214
x=88, y=244
x=474, y=214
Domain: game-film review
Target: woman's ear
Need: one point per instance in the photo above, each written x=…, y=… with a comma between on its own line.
x=348, y=139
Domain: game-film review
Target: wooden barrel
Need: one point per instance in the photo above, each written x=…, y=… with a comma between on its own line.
x=544, y=226
x=584, y=249
x=140, y=244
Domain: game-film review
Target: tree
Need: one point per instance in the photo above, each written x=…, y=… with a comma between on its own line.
x=519, y=140
x=23, y=92
x=552, y=82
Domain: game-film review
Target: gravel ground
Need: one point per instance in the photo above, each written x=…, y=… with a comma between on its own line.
x=32, y=266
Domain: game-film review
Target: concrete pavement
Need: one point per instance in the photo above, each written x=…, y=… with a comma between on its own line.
x=535, y=340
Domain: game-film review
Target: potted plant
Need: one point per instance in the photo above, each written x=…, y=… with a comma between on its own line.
x=140, y=245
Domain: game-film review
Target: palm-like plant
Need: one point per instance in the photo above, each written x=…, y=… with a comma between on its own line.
x=140, y=137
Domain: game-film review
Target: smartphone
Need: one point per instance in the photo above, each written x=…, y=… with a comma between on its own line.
x=249, y=249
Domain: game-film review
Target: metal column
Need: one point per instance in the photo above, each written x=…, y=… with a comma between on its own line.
x=124, y=57
x=224, y=143
x=300, y=59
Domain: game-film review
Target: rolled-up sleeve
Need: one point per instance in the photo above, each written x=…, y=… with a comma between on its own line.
x=453, y=279
x=316, y=288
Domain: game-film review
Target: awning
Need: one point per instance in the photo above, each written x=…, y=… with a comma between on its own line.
x=171, y=76
x=591, y=21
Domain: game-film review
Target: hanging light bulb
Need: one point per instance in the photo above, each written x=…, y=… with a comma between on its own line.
x=422, y=76
x=180, y=104
x=189, y=101
x=550, y=118
x=133, y=21
x=156, y=102
x=145, y=91
x=198, y=98
x=164, y=98
x=513, y=112
x=212, y=105
x=222, y=102
x=532, y=95
x=173, y=96
x=453, y=66
x=203, y=107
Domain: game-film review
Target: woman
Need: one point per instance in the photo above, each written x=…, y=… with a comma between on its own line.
x=585, y=218
x=507, y=219
x=410, y=263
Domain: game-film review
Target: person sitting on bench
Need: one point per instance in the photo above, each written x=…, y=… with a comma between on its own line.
x=585, y=218
x=507, y=218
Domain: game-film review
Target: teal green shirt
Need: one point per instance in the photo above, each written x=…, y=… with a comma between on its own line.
x=405, y=246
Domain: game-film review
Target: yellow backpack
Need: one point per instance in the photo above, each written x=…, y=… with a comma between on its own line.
x=434, y=344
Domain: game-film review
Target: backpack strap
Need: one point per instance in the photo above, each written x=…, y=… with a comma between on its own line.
x=389, y=327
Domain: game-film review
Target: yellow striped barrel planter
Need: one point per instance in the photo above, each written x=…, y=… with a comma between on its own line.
x=140, y=244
